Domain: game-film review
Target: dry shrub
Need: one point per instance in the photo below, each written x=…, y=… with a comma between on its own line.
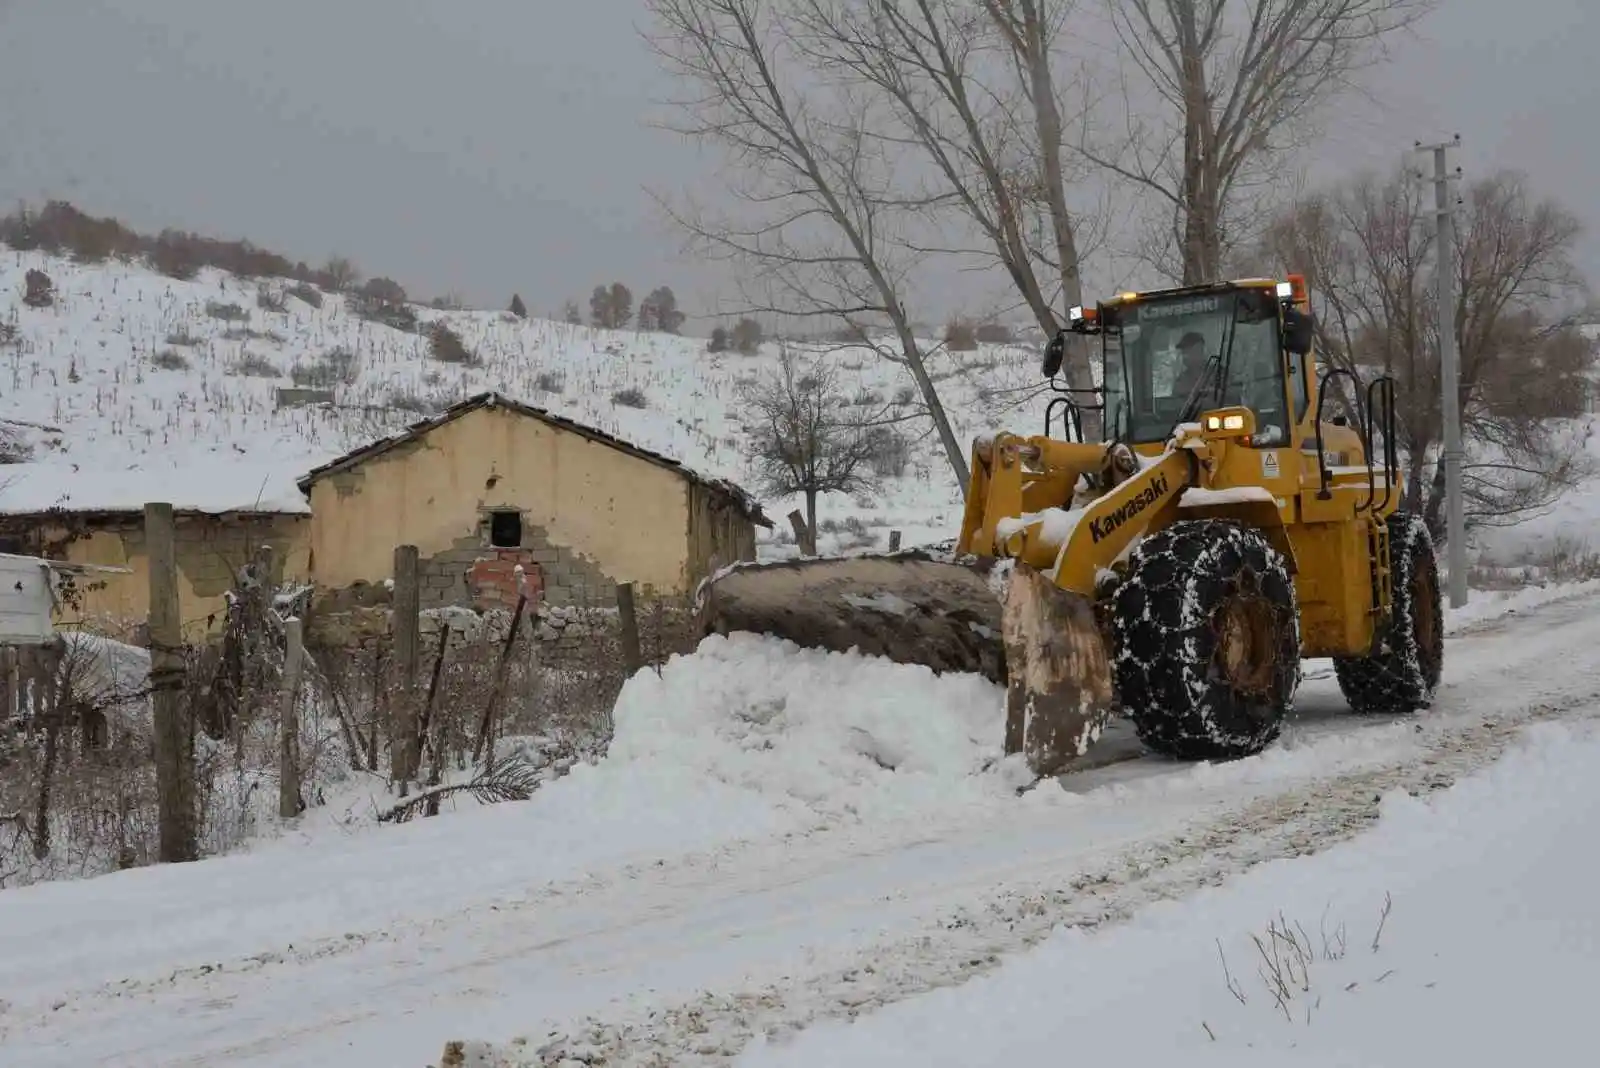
x=1565, y=560
x=245, y=333
x=40, y=291
x=399, y=317
x=417, y=403
x=632, y=397
x=269, y=299
x=306, y=293
x=169, y=360
x=255, y=365
x=336, y=367
x=446, y=346
x=228, y=313
x=960, y=335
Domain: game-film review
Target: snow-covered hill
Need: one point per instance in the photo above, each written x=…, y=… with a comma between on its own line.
x=134, y=386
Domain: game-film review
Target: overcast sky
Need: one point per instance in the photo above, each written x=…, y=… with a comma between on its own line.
x=491, y=146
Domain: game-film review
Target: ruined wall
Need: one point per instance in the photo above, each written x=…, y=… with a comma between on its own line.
x=719, y=534
x=210, y=550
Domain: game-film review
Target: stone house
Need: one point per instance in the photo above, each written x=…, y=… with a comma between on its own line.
x=491, y=484
x=211, y=547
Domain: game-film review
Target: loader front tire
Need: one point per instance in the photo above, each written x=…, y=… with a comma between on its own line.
x=1207, y=641
x=1401, y=674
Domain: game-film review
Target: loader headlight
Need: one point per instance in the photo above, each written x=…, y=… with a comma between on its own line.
x=1075, y=314
x=1285, y=290
x=1228, y=423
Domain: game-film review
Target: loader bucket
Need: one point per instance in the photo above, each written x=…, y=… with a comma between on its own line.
x=966, y=614
x=912, y=607
x=1059, y=690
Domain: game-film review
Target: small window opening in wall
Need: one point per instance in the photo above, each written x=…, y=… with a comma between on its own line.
x=505, y=530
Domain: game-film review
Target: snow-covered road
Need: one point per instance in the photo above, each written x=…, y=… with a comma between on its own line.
x=218, y=963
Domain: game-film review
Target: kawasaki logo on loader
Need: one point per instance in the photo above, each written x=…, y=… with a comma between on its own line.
x=1100, y=528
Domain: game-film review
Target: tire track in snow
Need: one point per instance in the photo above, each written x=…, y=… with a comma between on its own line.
x=717, y=1025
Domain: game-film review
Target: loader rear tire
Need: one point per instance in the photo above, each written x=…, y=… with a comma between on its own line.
x=1207, y=641
x=1401, y=675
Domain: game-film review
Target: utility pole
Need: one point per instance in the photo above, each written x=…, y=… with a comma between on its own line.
x=1444, y=201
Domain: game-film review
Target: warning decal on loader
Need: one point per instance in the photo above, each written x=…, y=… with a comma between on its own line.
x=1099, y=528
x=1269, y=465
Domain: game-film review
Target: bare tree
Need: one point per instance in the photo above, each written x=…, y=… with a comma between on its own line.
x=806, y=437
x=973, y=89
x=1232, y=85
x=342, y=275
x=1369, y=255
x=814, y=211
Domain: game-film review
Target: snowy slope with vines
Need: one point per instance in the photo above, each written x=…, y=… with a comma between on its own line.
x=133, y=386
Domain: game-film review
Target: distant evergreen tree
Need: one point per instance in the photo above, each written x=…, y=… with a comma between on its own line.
x=659, y=311
x=747, y=336
x=610, y=308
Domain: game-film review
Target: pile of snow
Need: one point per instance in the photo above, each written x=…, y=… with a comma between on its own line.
x=812, y=736
x=1484, y=606
x=1413, y=944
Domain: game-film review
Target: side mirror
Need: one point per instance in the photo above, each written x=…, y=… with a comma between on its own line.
x=1055, y=354
x=1298, y=330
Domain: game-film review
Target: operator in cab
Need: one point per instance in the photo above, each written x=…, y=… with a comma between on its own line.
x=1192, y=363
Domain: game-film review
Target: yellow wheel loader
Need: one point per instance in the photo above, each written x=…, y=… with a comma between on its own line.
x=1176, y=573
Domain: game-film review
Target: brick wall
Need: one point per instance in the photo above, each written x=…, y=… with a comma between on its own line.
x=473, y=574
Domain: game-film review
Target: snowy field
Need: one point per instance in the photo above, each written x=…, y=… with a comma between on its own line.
x=768, y=847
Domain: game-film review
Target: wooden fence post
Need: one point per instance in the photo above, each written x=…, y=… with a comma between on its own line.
x=8, y=685
x=426, y=736
x=289, y=722
x=406, y=621
x=484, y=746
x=632, y=659
x=894, y=541
x=174, y=739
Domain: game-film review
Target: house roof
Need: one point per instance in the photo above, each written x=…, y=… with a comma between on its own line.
x=222, y=483
x=743, y=500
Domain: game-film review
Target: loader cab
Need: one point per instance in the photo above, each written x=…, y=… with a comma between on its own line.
x=1170, y=356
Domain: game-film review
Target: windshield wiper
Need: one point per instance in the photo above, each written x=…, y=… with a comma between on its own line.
x=1212, y=370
